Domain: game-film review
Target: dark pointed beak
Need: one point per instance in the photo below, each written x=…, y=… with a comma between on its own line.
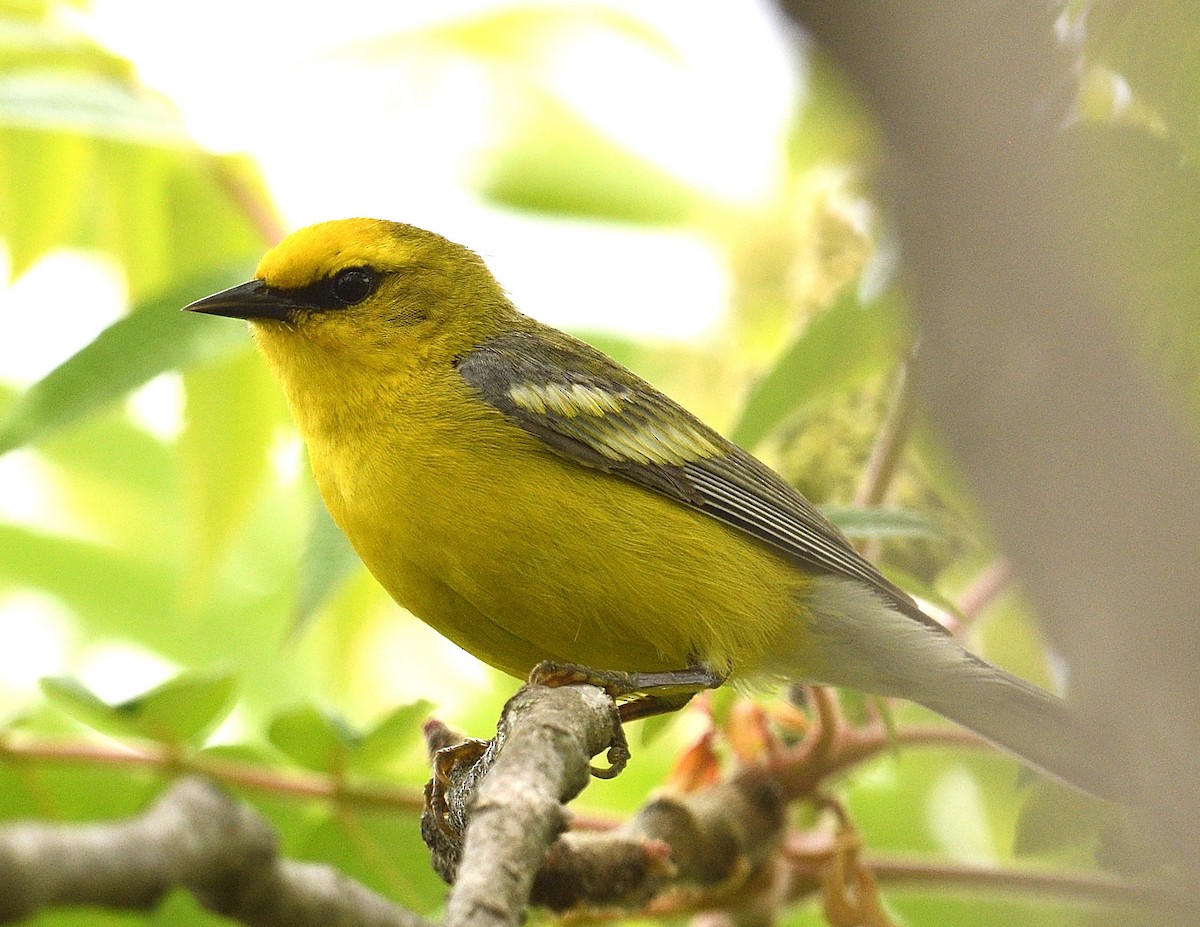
x=253, y=300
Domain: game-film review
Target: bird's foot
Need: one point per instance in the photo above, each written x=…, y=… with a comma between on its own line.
x=638, y=695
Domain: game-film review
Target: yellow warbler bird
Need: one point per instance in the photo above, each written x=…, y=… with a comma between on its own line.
x=534, y=501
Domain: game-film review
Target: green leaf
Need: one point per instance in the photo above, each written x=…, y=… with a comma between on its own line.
x=91, y=158
x=840, y=348
x=74, y=791
x=181, y=710
x=155, y=338
x=881, y=523
x=381, y=850
x=75, y=699
x=110, y=448
x=552, y=159
x=90, y=105
x=1055, y=820
x=392, y=736
x=242, y=753
x=178, y=908
x=653, y=728
x=557, y=163
x=184, y=709
x=1156, y=48
x=46, y=177
x=832, y=126
x=117, y=594
x=321, y=740
x=233, y=412
x=81, y=144
x=326, y=563
x=315, y=738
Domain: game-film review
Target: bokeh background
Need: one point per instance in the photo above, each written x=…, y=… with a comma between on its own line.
x=689, y=186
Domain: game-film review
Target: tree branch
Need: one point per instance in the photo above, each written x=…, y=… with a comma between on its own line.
x=496, y=822
x=708, y=840
x=539, y=760
x=195, y=837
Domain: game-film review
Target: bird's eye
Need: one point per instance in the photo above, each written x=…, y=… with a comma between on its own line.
x=353, y=285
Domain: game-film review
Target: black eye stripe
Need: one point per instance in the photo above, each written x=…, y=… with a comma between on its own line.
x=345, y=288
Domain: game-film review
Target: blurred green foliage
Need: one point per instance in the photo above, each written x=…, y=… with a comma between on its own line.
x=236, y=596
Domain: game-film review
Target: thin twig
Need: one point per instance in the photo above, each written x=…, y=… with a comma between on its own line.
x=985, y=589
x=803, y=770
x=808, y=857
x=886, y=454
x=1088, y=888
x=297, y=783
x=888, y=449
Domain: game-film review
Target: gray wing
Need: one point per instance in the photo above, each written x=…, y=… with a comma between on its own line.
x=584, y=406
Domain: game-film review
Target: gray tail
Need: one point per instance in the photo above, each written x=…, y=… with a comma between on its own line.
x=868, y=644
x=1037, y=727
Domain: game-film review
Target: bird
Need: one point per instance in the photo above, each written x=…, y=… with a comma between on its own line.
x=541, y=506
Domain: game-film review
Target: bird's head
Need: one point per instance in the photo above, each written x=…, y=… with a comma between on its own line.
x=365, y=293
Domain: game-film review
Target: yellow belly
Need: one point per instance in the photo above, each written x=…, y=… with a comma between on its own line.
x=518, y=556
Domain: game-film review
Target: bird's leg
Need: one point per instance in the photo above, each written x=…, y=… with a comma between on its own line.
x=642, y=694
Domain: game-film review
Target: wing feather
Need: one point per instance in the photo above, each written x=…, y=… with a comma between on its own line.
x=587, y=408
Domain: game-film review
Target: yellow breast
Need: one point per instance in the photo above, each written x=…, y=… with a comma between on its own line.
x=518, y=555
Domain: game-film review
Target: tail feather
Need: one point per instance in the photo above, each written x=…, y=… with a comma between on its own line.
x=865, y=643
x=1037, y=727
